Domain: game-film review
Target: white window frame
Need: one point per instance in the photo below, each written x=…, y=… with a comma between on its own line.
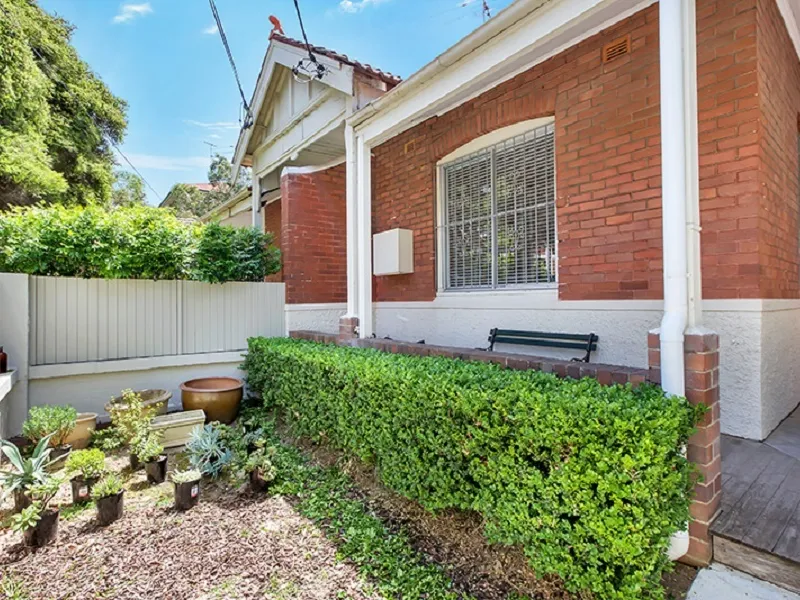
x=486, y=141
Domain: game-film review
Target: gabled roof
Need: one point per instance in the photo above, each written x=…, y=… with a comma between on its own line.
x=362, y=68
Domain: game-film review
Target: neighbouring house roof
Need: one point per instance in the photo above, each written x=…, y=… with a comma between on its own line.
x=203, y=187
x=362, y=68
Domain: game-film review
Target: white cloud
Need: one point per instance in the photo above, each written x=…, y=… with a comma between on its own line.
x=211, y=30
x=354, y=6
x=128, y=12
x=169, y=163
x=218, y=126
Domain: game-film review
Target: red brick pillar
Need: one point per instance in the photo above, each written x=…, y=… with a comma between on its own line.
x=348, y=328
x=702, y=386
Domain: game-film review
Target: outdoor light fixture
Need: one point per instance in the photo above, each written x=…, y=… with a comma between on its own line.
x=309, y=69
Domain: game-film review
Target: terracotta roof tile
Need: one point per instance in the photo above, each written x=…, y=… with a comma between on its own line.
x=391, y=80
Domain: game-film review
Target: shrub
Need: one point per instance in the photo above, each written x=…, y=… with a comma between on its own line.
x=86, y=463
x=110, y=485
x=131, y=242
x=186, y=476
x=55, y=421
x=587, y=479
x=234, y=254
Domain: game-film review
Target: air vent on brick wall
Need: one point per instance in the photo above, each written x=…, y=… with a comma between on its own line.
x=617, y=48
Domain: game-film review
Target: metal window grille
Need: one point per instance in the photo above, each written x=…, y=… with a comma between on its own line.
x=498, y=218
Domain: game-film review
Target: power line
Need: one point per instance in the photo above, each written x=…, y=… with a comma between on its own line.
x=54, y=77
x=248, y=120
x=307, y=69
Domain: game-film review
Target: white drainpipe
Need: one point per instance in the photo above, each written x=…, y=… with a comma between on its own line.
x=680, y=202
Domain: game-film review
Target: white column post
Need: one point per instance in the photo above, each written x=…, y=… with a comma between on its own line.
x=364, y=202
x=352, y=222
x=675, y=183
x=255, y=202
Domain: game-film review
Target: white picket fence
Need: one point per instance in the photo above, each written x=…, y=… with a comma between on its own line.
x=85, y=320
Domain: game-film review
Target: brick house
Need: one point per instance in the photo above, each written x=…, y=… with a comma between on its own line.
x=623, y=167
x=295, y=149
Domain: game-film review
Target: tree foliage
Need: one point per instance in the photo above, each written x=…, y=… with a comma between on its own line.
x=57, y=118
x=128, y=189
x=188, y=202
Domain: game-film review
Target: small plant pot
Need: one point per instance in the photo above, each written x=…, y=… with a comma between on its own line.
x=44, y=532
x=257, y=481
x=187, y=494
x=135, y=463
x=21, y=501
x=157, y=470
x=82, y=489
x=58, y=456
x=109, y=509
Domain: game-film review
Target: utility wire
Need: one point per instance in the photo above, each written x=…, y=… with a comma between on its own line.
x=45, y=66
x=248, y=120
x=303, y=31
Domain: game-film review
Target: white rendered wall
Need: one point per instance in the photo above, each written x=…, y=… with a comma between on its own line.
x=759, y=384
x=315, y=317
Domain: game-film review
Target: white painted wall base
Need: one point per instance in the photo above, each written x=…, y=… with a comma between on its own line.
x=759, y=382
x=314, y=317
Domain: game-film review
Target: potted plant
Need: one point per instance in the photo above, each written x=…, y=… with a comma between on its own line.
x=38, y=522
x=260, y=469
x=24, y=472
x=150, y=451
x=85, y=467
x=57, y=422
x=187, y=488
x=107, y=495
x=131, y=418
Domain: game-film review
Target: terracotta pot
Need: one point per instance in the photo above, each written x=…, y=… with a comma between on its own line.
x=84, y=426
x=218, y=397
x=149, y=398
x=187, y=494
x=257, y=482
x=44, y=532
x=156, y=469
x=109, y=509
x=82, y=489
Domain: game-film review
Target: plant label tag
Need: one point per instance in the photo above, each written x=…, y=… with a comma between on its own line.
x=83, y=492
x=195, y=490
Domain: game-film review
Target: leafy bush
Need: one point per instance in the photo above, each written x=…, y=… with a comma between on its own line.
x=25, y=472
x=130, y=242
x=110, y=485
x=186, y=476
x=588, y=479
x=131, y=418
x=55, y=421
x=207, y=450
x=86, y=463
x=148, y=447
x=234, y=254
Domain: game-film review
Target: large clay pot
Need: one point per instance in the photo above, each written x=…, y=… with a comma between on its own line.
x=84, y=426
x=149, y=398
x=218, y=397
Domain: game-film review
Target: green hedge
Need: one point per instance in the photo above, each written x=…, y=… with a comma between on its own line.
x=588, y=479
x=136, y=242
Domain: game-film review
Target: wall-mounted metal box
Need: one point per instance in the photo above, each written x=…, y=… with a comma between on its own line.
x=393, y=252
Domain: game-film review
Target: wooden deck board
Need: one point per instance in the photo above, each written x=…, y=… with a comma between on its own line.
x=777, y=513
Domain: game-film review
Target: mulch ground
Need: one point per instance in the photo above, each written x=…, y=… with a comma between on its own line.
x=232, y=545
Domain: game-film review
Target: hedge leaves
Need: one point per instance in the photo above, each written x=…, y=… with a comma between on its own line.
x=588, y=479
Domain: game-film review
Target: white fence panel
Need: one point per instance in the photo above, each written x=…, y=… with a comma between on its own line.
x=85, y=320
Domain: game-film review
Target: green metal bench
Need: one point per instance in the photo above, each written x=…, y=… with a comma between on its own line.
x=586, y=342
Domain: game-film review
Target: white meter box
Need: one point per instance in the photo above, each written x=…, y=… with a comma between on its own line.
x=393, y=252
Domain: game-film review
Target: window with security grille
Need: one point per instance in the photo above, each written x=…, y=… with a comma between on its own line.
x=498, y=215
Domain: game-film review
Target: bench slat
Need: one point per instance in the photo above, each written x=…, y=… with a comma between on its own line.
x=543, y=334
x=546, y=343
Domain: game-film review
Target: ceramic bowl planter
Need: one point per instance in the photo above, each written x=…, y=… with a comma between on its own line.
x=187, y=494
x=109, y=508
x=85, y=424
x=82, y=488
x=218, y=397
x=156, y=470
x=44, y=532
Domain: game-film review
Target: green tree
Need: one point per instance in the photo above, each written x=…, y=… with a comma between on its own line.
x=219, y=176
x=188, y=202
x=57, y=118
x=128, y=189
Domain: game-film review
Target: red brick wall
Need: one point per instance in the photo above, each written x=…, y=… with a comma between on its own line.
x=313, y=236
x=273, y=225
x=609, y=166
x=779, y=92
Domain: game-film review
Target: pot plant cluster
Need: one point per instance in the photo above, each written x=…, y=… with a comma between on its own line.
x=85, y=467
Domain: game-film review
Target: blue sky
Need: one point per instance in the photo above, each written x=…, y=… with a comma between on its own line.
x=166, y=60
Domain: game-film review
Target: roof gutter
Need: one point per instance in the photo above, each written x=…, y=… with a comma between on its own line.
x=482, y=35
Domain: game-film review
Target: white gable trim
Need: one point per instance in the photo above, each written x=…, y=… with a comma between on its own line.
x=531, y=31
x=790, y=18
x=312, y=168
